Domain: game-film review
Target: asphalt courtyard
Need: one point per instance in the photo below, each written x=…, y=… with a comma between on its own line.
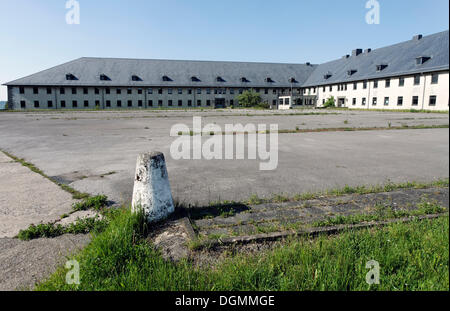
x=96, y=152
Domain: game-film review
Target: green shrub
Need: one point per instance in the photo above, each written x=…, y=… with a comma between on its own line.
x=249, y=99
x=330, y=103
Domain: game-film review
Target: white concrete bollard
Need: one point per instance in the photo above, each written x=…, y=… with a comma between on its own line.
x=152, y=191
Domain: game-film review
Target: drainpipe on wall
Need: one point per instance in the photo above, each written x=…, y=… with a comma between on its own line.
x=145, y=97
x=317, y=97
x=194, y=104
x=368, y=95
x=56, y=99
x=103, y=98
x=424, y=86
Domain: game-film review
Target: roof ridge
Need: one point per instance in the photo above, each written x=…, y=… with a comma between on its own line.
x=375, y=53
x=388, y=46
x=194, y=61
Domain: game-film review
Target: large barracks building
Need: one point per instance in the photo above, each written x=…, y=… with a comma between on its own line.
x=410, y=75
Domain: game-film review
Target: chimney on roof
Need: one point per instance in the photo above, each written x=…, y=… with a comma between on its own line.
x=308, y=64
x=417, y=37
x=345, y=56
x=356, y=52
x=367, y=51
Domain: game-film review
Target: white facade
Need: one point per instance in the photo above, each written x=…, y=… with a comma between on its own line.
x=426, y=95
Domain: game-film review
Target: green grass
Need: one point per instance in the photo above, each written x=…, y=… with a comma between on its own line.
x=96, y=203
x=346, y=190
x=391, y=110
x=81, y=226
x=229, y=209
x=297, y=130
x=412, y=256
x=383, y=213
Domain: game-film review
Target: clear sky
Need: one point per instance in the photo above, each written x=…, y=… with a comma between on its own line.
x=34, y=34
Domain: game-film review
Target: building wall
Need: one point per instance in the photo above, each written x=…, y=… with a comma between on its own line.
x=423, y=91
x=54, y=98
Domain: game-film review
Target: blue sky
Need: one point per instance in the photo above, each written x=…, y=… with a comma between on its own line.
x=34, y=34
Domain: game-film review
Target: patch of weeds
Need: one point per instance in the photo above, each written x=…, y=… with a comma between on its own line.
x=304, y=196
x=383, y=212
x=255, y=200
x=216, y=236
x=194, y=245
x=346, y=122
x=96, y=203
x=225, y=213
x=75, y=194
x=307, y=205
x=267, y=228
x=81, y=226
x=41, y=231
x=280, y=199
x=84, y=226
x=64, y=216
x=428, y=207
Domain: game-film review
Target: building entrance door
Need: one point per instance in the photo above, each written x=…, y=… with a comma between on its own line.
x=219, y=103
x=341, y=102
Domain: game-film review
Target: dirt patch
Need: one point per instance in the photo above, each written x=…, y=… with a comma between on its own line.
x=172, y=238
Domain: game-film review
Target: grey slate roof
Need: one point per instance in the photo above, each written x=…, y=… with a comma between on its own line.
x=120, y=71
x=400, y=58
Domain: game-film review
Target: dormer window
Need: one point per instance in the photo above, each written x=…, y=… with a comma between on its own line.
x=166, y=79
x=135, y=78
x=220, y=79
x=195, y=79
x=70, y=77
x=351, y=72
x=269, y=80
x=381, y=67
x=327, y=75
x=104, y=77
x=245, y=80
x=422, y=60
x=293, y=80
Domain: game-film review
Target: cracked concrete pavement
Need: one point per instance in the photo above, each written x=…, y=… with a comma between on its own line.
x=28, y=198
x=96, y=152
